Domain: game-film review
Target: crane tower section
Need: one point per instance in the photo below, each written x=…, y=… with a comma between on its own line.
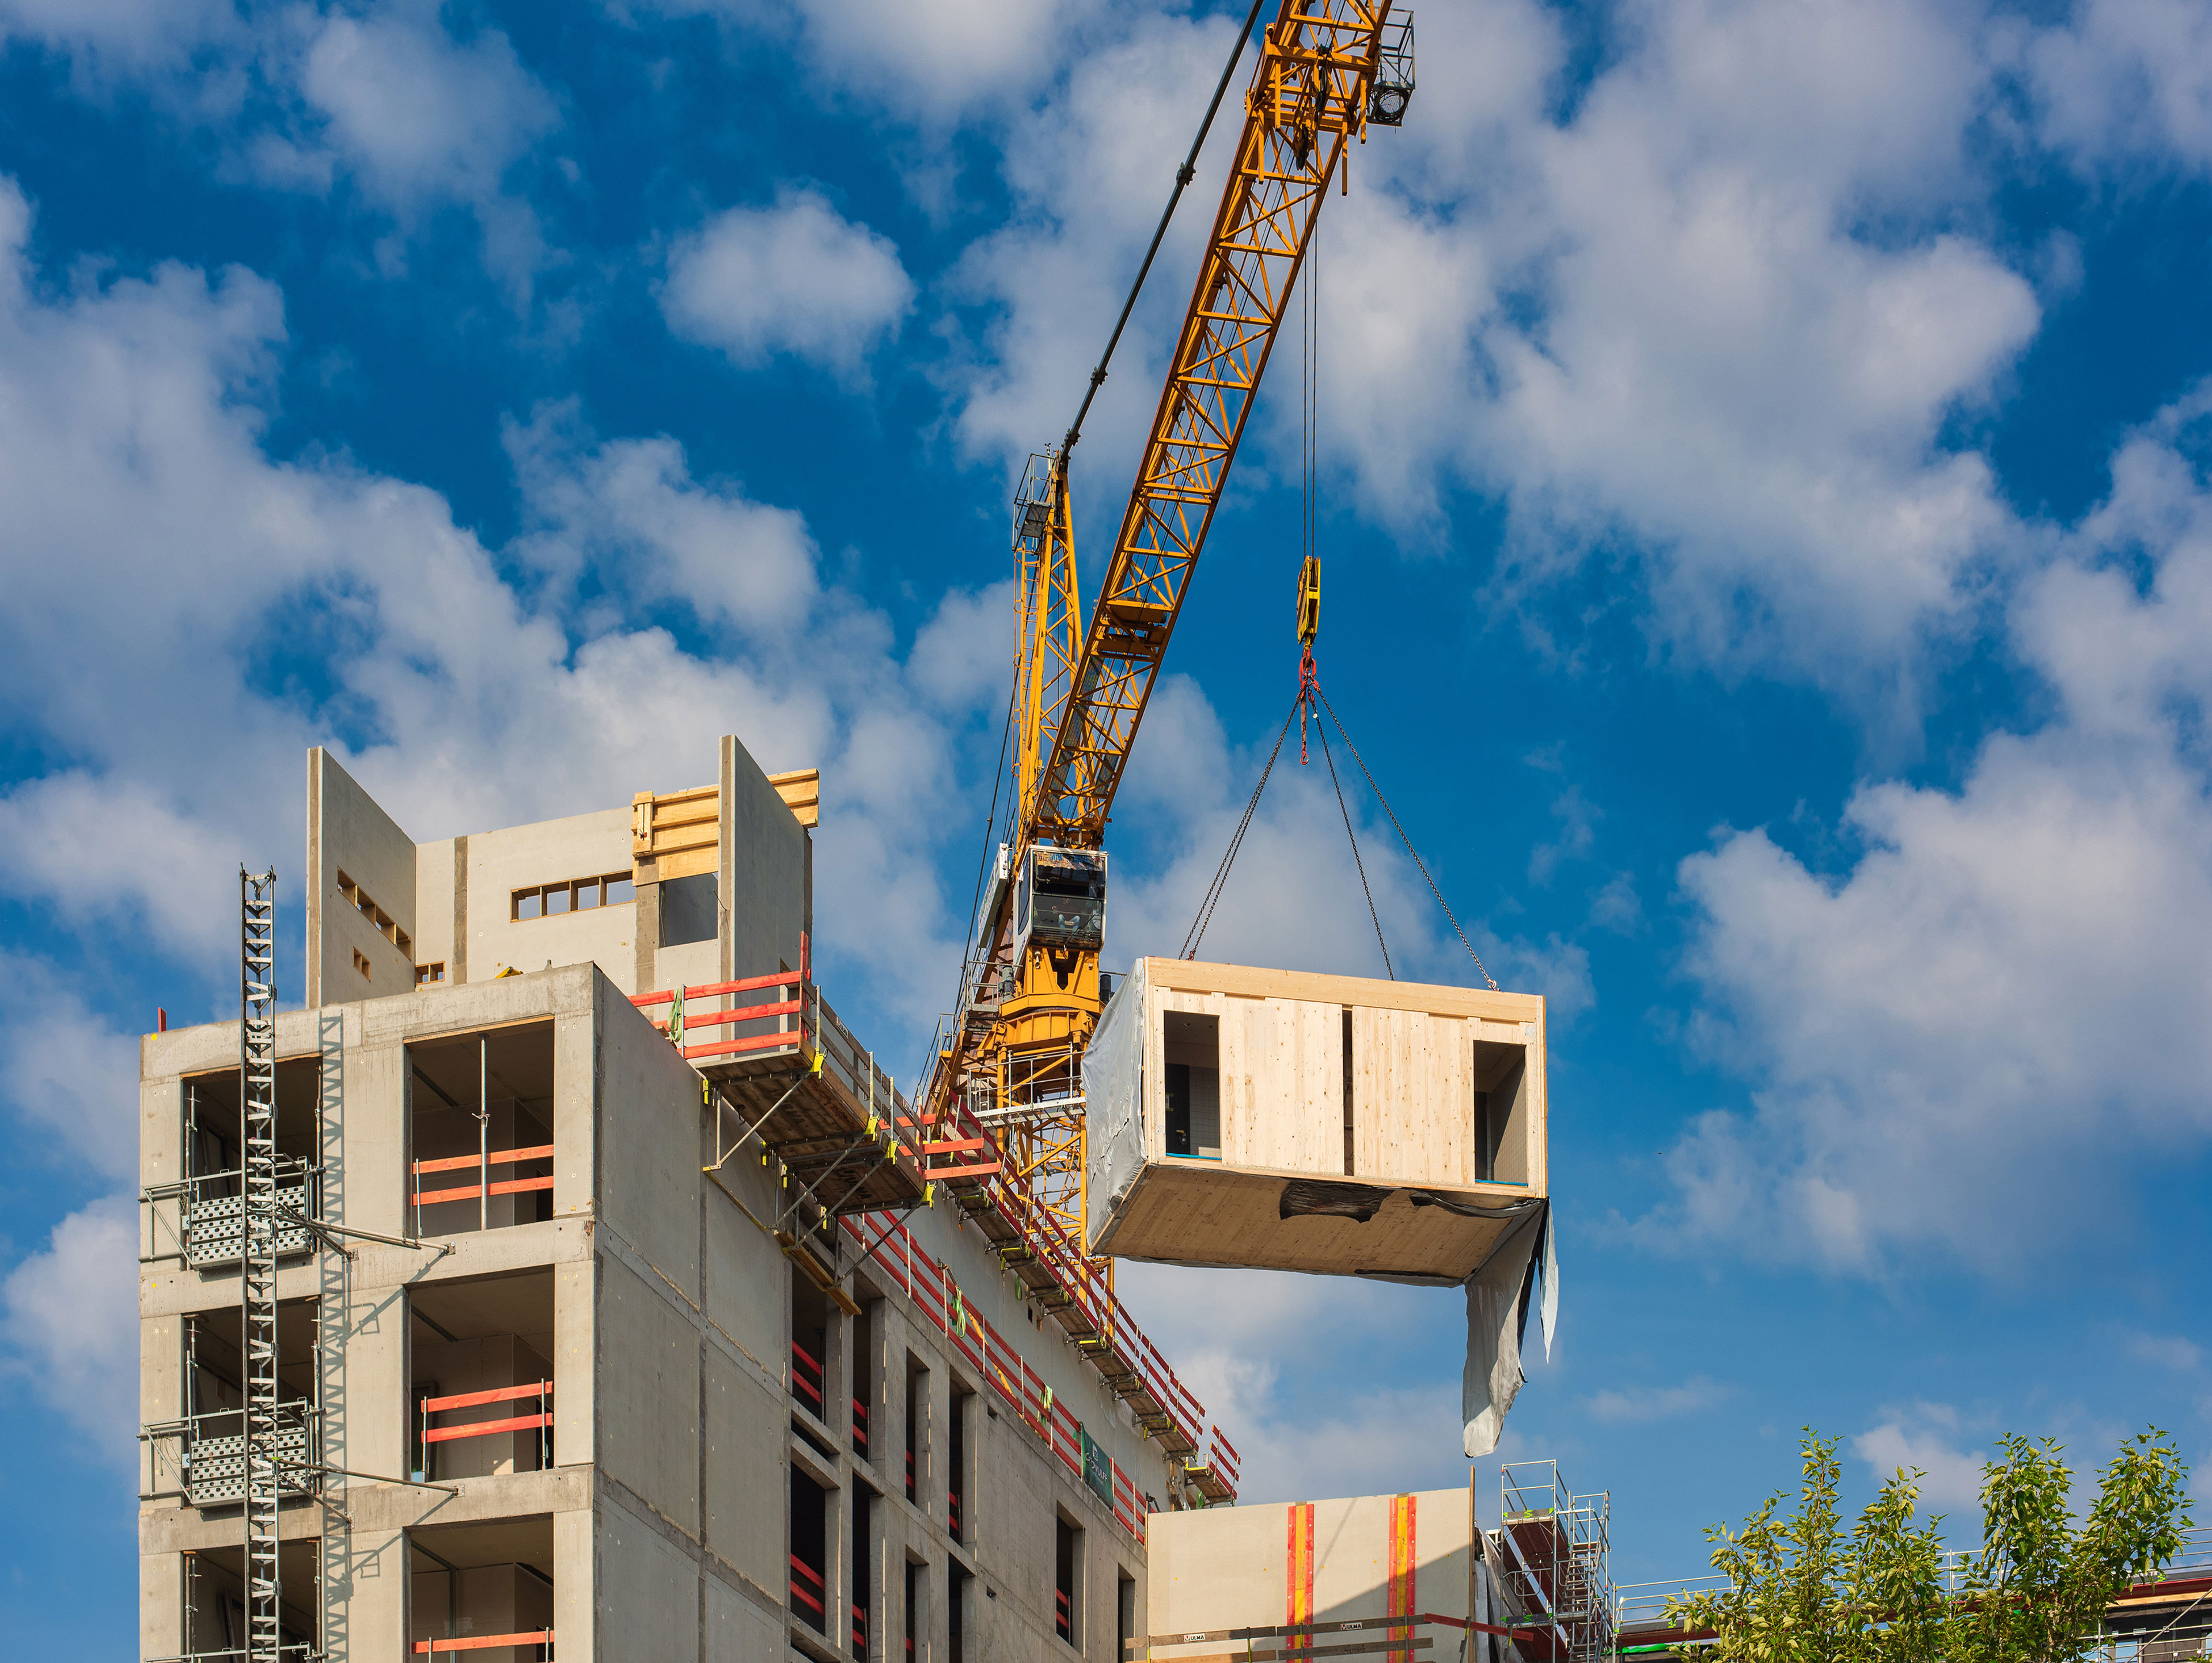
x=1030, y=1000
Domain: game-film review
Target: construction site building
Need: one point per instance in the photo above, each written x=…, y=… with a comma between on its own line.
x=565, y=1366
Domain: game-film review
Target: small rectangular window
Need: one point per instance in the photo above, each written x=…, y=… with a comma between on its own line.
x=587, y=894
x=360, y=963
x=527, y=903
x=620, y=888
x=426, y=975
x=557, y=899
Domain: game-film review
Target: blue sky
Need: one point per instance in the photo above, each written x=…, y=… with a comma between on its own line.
x=1763, y=468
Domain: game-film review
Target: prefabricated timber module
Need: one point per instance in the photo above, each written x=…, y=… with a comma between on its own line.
x=1281, y=1120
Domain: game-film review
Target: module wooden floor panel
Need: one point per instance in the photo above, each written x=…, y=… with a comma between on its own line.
x=1189, y=1211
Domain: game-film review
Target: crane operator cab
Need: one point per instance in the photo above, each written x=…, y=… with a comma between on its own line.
x=1060, y=899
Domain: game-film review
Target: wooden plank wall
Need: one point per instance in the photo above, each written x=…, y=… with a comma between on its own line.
x=1413, y=1103
x=1415, y=1073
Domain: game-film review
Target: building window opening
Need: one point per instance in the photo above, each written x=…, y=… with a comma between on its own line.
x=199, y=1218
x=916, y=1574
x=917, y=1393
x=202, y=1454
x=1066, y=1563
x=1500, y=1128
x=214, y=1614
x=481, y=1130
x=864, y=1379
x=1194, y=1084
x=379, y=918
x=864, y=1585
x=483, y=1593
x=810, y=1541
x=430, y=975
x=956, y=1581
x=1125, y=1611
x=956, y=1475
x=362, y=967
x=481, y=1392
x=573, y=894
x=810, y=1347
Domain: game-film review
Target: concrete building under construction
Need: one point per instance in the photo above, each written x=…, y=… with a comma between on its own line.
x=564, y=1281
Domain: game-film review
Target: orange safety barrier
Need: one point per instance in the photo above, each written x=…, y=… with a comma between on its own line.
x=541, y=1390
x=498, y=1157
x=479, y=1643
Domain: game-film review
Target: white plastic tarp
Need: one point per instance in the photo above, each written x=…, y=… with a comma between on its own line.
x=1113, y=1092
x=1496, y=1315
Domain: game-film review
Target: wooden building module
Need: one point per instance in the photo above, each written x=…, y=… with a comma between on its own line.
x=1278, y=1119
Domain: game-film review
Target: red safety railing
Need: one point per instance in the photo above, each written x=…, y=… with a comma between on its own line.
x=860, y=1429
x=952, y=1514
x=1128, y=1504
x=1063, y=1616
x=804, y=1578
x=909, y=1475
x=930, y=1285
x=483, y=1186
x=937, y=1296
x=860, y=1631
x=1222, y=1457
x=541, y=1422
x=806, y=1377
x=479, y=1643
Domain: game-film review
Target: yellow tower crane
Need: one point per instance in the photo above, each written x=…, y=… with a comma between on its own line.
x=1030, y=992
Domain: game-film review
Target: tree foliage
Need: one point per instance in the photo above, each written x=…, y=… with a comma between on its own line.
x=1800, y=1588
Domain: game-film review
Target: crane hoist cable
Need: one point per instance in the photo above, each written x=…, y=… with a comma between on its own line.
x=1309, y=693
x=1184, y=174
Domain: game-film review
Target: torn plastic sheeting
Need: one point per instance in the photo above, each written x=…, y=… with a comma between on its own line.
x=1113, y=1087
x=1313, y=1198
x=1496, y=1318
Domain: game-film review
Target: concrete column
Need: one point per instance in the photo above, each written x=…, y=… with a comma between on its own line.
x=367, y=1620
x=575, y=1629
x=575, y=1330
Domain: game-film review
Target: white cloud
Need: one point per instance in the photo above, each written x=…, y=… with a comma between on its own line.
x=797, y=277
x=2000, y=1009
x=1713, y=319
x=2167, y=1351
x=1296, y=897
x=122, y=35
x=1637, y=1403
x=925, y=62
x=69, y=1316
x=67, y=1071
x=1225, y=1329
x=417, y=113
x=302, y=96
x=2127, y=83
x=1918, y=1438
x=460, y=700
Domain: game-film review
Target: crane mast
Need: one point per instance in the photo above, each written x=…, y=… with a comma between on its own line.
x=1031, y=993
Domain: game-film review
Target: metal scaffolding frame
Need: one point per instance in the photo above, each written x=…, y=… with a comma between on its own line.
x=1559, y=1556
x=257, y=1111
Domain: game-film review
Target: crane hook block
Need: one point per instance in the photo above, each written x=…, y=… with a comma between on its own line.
x=1309, y=600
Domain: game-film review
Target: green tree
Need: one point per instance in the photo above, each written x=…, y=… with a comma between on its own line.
x=1799, y=1589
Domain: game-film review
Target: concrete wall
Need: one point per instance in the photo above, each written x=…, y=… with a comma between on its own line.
x=675, y=1426
x=348, y=832
x=440, y=888
x=1232, y=1567
x=765, y=870
x=552, y=850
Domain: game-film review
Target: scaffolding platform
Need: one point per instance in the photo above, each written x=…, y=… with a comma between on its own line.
x=791, y=1071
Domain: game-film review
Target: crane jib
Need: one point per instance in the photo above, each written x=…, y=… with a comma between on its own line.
x=1309, y=94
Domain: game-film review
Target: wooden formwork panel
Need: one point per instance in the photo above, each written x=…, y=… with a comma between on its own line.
x=1409, y=1155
